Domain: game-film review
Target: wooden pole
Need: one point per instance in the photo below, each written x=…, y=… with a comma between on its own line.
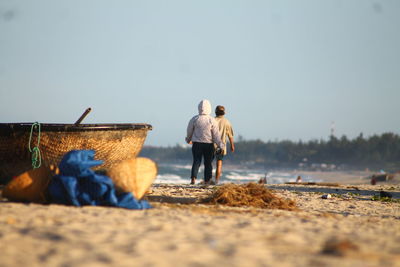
x=83, y=116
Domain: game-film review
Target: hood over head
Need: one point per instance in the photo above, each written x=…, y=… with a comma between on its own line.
x=204, y=107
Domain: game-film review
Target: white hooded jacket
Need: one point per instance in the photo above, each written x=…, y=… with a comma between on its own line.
x=203, y=128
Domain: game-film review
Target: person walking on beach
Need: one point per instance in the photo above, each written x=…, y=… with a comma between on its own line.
x=226, y=131
x=202, y=133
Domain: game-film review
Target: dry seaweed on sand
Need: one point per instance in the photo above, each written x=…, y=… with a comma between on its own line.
x=250, y=194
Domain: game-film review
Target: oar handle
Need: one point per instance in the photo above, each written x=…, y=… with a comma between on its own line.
x=83, y=116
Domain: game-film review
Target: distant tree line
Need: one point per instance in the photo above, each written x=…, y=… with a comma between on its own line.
x=375, y=152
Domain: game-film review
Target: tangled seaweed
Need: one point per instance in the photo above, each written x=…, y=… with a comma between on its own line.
x=250, y=194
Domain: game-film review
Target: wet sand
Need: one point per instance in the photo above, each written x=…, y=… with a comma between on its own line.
x=348, y=229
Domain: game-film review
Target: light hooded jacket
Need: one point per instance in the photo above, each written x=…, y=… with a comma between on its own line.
x=203, y=128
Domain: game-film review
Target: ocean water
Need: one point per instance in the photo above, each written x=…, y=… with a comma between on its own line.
x=180, y=173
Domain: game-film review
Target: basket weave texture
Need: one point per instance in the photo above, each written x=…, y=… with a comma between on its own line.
x=111, y=146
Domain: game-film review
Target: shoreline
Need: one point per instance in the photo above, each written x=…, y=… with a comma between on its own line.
x=242, y=174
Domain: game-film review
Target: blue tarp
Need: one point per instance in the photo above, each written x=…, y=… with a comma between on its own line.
x=78, y=185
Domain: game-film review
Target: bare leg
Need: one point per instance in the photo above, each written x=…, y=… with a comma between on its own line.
x=218, y=171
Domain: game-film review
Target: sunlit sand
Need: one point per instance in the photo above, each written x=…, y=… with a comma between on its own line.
x=347, y=229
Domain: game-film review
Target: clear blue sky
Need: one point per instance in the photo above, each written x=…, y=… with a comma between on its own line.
x=283, y=69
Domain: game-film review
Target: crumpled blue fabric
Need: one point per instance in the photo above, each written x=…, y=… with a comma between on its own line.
x=78, y=185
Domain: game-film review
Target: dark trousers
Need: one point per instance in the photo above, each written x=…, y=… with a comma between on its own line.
x=199, y=151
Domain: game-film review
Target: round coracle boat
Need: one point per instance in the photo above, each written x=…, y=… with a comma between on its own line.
x=21, y=143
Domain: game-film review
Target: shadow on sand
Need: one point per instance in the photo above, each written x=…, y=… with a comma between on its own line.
x=335, y=190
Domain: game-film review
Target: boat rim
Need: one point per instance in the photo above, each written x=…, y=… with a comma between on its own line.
x=63, y=127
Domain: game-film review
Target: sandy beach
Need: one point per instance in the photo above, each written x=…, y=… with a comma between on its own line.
x=348, y=229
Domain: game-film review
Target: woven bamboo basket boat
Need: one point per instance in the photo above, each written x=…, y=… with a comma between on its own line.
x=112, y=143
